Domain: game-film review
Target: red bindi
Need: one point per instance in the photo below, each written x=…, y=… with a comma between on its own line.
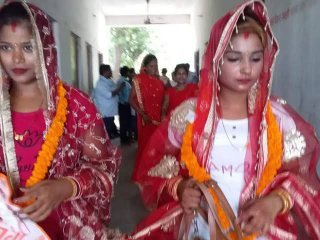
x=14, y=26
x=246, y=35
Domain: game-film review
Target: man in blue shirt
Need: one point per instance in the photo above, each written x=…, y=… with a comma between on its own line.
x=124, y=106
x=105, y=96
x=192, y=77
x=133, y=120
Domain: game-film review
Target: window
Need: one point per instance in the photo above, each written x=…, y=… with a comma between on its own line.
x=74, y=58
x=100, y=58
x=196, y=62
x=89, y=67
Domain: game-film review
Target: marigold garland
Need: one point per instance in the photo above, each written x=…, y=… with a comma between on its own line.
x=269, y=172
x=200, y=174
x=50, y=144
x=275, y=151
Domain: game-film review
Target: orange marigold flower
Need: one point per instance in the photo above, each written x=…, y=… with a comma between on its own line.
x=50, y=144
x=275, y=152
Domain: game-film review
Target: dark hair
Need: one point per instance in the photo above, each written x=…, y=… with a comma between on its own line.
x=104, y=68
x=251, y=24
x=13, y=12
x=124, y=71
x=164, y=70
x=147, y=59
x=131, y=70
x=181, y=66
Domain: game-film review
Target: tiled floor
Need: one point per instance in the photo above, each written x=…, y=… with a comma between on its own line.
x=127, y=208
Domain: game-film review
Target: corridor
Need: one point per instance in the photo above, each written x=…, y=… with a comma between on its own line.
x=127, y=208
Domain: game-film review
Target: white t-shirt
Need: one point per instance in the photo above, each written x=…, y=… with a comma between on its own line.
x=226, y=162
x=226, y=166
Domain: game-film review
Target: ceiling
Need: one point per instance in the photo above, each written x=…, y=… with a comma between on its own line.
x=139, y=7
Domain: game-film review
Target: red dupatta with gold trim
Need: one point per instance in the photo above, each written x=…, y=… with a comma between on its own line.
x=297, y=174
x=84, y=151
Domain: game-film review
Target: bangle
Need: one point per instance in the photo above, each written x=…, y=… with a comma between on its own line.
x=173, y=187
x=74, y=187
x=286, y=200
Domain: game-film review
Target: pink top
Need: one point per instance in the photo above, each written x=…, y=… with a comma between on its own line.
x=30, y=127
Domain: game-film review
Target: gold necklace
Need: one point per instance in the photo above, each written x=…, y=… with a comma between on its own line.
x=20, y=137
x=240, y=149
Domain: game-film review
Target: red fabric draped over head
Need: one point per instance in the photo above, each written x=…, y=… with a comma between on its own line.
x=84, y=150
x=297, y=174
x=208, y=100
x=46, y=66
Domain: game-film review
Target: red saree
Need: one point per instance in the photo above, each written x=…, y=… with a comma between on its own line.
x=300, y=154
x=150, y=93
x=176, y=97
x=84, y=151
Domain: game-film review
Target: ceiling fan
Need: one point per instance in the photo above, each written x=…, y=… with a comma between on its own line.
x=148, y=19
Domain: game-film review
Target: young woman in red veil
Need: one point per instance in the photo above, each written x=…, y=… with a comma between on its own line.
x=174, y=96
x=54, y=148
x=146, y=98
x=235, y=163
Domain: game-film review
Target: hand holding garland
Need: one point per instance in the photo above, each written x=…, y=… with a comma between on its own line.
x=189, y=195
x=277, y=201
x=257, y=215
x=46, y=196
x=42, y=196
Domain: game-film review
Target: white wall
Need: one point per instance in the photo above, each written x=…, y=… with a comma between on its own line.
x=206, y=13
x=296, y=79
x=85, y=19
x=295, y=24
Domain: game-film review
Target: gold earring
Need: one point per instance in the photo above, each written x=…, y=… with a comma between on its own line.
x=252, y=96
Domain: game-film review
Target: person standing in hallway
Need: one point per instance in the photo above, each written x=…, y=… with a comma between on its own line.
x=124, y=106
x=164, y=78
x=192, y=76
x=54, y=148
x=133, y=123
x=235, y=163
x=131, y=75
x=146, y=98
x=174, y=96
x=105, y=96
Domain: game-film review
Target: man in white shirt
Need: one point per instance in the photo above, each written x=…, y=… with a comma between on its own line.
x=105, y=96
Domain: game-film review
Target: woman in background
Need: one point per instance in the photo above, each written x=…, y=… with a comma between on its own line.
x=174, y=96
x=146, y=98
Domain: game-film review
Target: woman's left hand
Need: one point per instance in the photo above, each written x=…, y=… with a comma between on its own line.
x=45, y=197
x=257, y=215
x=154, y=122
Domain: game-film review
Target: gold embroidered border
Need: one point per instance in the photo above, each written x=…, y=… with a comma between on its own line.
x=160, y=223
x=138, y=92
x=168, y=167
x=294, y=145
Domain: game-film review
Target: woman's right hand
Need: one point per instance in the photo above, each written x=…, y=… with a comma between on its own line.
x=45, y=197
x=154, y=122
x=189, y=195
x=145, y=118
